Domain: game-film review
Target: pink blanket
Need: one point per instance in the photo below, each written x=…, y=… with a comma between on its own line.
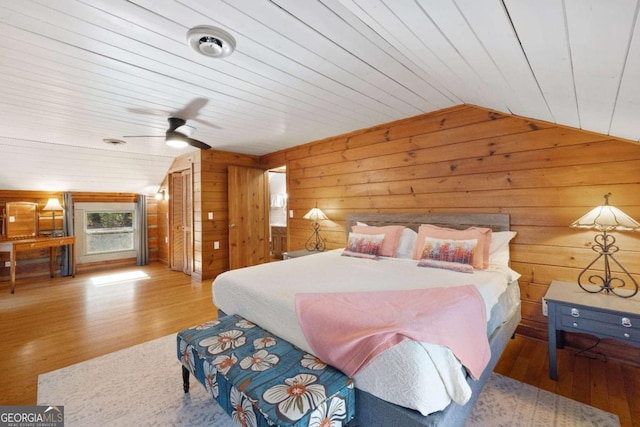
x=347, y=330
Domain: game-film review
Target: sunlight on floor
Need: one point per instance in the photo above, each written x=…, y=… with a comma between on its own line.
x=113, y=279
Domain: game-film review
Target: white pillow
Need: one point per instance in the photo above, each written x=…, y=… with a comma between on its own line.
x=499, y=247
x=407, y=243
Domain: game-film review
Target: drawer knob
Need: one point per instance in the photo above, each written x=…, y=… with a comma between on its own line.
x=575, y=312
x=575, y=324
x=626, y=335
x=626, y=322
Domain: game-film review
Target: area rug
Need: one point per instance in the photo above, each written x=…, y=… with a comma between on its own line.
x=142, y=386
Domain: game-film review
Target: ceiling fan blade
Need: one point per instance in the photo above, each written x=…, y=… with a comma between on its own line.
x=198, y=144
x=191, y=110
x=143, y=136
x=177, y=136
x=206, y=123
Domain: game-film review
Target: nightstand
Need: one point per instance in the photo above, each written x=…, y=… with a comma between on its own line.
x=605, y=316
x=298, y=254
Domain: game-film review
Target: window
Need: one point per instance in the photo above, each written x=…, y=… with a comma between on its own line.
x=109, y=231
x=105, y=231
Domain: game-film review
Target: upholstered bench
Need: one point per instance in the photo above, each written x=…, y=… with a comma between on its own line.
x=260, y=379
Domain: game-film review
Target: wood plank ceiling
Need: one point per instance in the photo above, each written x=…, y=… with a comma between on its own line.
x=76, y=72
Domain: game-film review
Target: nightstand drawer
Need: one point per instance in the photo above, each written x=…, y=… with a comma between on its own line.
x=621, y=320
x=590, y=326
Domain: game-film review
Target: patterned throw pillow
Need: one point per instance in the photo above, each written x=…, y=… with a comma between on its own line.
x=363, y=245
x=456, y=255
x=392, y=234
x=481, y=256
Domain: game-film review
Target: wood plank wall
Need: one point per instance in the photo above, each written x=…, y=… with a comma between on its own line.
x=36, y=263
x=469, y=159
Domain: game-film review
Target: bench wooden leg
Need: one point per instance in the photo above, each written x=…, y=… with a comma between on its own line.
x=185, y=379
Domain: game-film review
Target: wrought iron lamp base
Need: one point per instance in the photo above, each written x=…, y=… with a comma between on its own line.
x=315, y=242
x=605, y=247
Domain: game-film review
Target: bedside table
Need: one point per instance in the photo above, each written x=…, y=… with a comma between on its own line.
x=298, y=254
x=574, y=310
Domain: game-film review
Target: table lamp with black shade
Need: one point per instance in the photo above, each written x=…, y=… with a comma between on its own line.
x=607, y=218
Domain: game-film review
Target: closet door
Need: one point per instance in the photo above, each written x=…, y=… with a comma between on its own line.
x=181, y=222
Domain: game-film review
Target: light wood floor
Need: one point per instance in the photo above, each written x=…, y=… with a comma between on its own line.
x=49, y=324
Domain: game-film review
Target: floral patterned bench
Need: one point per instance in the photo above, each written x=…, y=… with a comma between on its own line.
x=260, y=379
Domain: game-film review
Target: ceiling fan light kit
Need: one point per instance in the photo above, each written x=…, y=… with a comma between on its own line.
x=211, y=41
x=175, y=141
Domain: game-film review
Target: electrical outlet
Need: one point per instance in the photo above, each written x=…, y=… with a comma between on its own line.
x=545, y=308
x=290, y=213
x=216, y=245
x=7, y=263
x=210, y=216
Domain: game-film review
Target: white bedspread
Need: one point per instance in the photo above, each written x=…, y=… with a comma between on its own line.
x=416, y=375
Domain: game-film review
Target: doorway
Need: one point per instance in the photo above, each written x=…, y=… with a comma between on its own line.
x=278, y=212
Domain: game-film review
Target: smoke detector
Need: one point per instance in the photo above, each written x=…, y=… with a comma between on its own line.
x=211, y=41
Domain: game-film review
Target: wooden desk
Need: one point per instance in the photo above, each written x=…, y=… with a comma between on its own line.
x=17, y=245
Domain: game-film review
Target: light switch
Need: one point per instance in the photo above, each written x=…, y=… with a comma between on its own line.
x=12, y=219
x=210, y=215
x=290, y=213
x=216, y=245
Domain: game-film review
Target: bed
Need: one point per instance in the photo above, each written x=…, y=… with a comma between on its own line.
x=412, y=383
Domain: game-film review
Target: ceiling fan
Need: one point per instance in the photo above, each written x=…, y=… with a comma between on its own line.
x=178, y=135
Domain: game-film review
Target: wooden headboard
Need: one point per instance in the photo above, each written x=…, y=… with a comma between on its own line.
x=497, y=222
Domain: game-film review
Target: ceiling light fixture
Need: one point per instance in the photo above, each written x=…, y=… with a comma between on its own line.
x=211, y=41
x=113, y=141
x=176, y=140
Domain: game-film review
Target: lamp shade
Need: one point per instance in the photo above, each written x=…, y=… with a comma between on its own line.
x=53, y=204
x=606, y=218
x=315, y=214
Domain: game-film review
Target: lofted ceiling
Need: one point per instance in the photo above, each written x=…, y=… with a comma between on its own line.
x=76, y=72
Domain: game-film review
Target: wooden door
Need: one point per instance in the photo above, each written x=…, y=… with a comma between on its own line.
x=248, y=217
x=181, y=222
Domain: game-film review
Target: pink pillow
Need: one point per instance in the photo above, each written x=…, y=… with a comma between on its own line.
x=392, y=234
x=480, y=256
